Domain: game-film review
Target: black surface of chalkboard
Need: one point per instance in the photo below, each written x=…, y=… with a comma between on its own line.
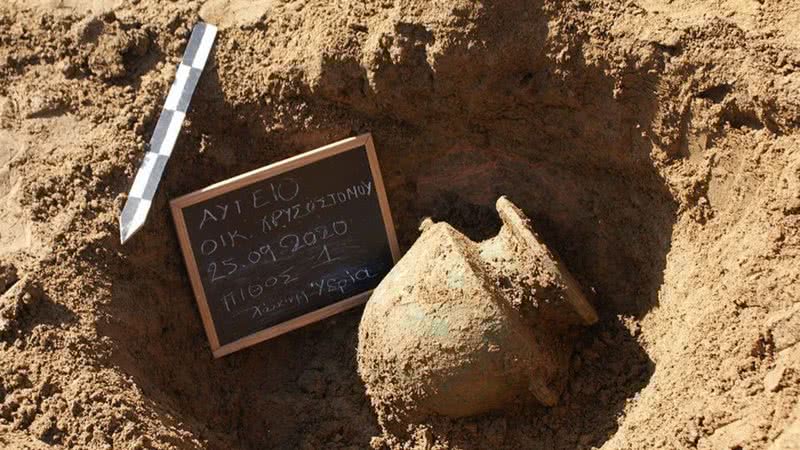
x=278, y=248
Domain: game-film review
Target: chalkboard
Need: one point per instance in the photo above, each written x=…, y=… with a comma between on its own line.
x=287, y=244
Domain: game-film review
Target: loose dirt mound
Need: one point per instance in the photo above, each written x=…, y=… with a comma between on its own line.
x=654, y=144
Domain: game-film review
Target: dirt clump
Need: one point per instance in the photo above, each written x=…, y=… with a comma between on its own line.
x=654, y=144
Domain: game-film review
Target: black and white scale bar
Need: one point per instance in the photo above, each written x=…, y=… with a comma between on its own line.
x=167, y=129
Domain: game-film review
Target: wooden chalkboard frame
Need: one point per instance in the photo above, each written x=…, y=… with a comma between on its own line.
x=238, y=182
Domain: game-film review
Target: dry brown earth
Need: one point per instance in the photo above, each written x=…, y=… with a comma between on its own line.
x=654, y=144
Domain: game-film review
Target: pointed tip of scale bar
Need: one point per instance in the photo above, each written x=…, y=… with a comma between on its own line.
x=128, y=227
x=132, y=217
x=126, y=231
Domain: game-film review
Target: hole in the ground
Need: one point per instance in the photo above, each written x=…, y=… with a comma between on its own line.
x=565, y=151
x=716, y=93
x=739, y=117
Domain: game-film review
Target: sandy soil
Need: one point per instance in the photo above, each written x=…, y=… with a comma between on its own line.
x=653, y=143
